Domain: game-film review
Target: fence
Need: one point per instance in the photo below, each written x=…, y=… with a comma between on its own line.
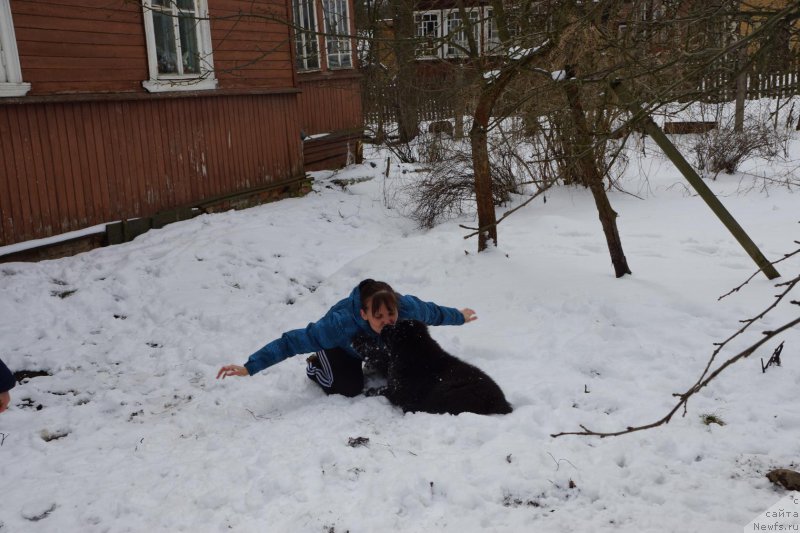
x=380, y=104
x=718, y=84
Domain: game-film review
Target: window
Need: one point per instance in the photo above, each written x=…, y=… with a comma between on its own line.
x=492, y=42
x=458, y=44
x=10, y=72
x=305, y=35
x=622, y=31
x=428, y=33
x=337, y=38
x=178, y=45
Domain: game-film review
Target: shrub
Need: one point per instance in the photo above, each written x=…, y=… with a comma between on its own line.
x=723, y=149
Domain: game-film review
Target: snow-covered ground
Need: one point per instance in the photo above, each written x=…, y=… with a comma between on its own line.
x=135, y=434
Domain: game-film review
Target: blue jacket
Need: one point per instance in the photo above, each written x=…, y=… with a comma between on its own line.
x=340, y=324
x=6, y=378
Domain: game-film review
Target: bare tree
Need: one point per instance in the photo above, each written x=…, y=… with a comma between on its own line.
x=552, y=61
x=404, y=51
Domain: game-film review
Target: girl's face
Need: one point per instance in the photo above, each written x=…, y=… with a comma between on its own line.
x=381, y=317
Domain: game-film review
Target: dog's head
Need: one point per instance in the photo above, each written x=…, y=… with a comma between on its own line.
x=404, y=334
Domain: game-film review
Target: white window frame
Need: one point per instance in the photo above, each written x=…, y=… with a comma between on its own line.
x=422, y=50
x=303, y=40
x=492, y=45
x=11, y=83
x=159, y=82
x=333, y=36
x=474, y=15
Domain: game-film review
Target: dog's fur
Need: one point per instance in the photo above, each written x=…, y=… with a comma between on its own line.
x=423, y=377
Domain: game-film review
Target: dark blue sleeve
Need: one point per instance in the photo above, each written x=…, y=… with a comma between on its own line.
x=6, y=378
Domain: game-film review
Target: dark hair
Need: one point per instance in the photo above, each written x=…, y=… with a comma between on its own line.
x=376, y=294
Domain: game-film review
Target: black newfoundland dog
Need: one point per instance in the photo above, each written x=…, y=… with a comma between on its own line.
x=421, y=376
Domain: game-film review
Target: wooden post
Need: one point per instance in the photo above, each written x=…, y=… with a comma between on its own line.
x=459, y=105
x=741, y=90
x=639, y=115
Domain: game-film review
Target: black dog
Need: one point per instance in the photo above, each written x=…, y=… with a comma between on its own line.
x=423, y=377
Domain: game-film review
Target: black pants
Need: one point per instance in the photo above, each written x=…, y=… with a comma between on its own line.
x=336, y=372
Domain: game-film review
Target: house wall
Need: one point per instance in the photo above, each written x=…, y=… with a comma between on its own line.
x=70, y=165
x=89, y=145
x=330, y=105
x=71, y=46
x=252, y=44
x=74, y=46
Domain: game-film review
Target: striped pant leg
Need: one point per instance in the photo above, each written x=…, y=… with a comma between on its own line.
x=336, y=372
x=319, y=370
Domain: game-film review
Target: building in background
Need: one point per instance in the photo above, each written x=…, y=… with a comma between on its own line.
x=152, y=110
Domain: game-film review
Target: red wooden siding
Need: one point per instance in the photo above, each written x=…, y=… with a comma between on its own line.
x=329, y=105
x=251, y=43
x=67, y=46
x=331, y=151
x=69, y=165
x=73, y=46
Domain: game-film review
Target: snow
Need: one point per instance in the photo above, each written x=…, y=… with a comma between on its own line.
x=519, y=52
x=35, y=243
x=135, y=434
x=316, y=136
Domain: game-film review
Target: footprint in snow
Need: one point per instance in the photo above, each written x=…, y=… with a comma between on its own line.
x=35, y=511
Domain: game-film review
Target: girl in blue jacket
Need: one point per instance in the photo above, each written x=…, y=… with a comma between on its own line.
x=336, y=367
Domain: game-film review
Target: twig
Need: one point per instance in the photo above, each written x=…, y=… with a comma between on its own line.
x=392, y=452
x=750, y=321
x=736, y=289
x=558, y=462
x=506, y=214
x=258, y=417
x=686, y=395
x=703, y=380
x=775, y=359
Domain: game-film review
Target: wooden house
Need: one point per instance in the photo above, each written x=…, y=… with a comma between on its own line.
x=149, y=109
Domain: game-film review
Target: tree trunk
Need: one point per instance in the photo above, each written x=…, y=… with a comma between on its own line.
x=459, y=106
x=478, y=135
x=741, y=91
x=608, y=218
x=487, y=221
x=403, y=48
x=592, y=178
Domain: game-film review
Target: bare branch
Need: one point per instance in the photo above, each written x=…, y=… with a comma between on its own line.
x=505, y=215
x=736, y=289
x=705, y=378
x=684, y=398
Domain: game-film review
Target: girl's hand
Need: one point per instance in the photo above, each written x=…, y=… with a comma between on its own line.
x=232, y=370
x=469, y=315
x=5, y=401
